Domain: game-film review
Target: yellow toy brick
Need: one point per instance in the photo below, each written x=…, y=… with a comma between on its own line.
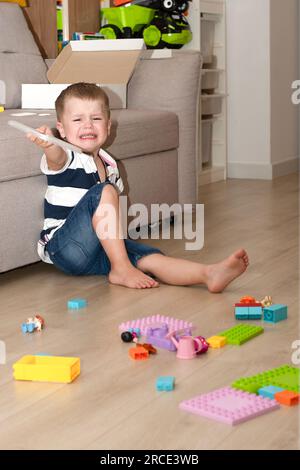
x=47, y=368
x=216, y=341
x=1, y=109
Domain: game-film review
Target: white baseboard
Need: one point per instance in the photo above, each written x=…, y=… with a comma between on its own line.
x=211, y=175
x=262, y=171
x=285, y=168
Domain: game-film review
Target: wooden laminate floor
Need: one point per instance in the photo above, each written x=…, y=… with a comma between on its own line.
x=114, y=404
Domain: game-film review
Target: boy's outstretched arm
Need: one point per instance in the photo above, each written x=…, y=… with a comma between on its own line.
x=55, y=155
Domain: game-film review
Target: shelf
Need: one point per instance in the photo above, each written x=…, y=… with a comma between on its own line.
x=213, y=7
x=208, y=23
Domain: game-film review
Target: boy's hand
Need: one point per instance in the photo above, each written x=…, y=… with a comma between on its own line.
x=41, y=143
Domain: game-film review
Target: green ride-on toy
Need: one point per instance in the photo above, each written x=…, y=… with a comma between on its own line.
x=164, y=27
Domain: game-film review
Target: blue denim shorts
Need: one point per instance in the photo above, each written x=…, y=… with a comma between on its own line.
x=75, y=248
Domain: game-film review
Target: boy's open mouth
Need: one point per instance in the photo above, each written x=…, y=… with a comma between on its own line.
x=88, y=136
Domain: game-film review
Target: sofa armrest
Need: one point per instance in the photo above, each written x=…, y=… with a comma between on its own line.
x=49, y=62
x=173, y=84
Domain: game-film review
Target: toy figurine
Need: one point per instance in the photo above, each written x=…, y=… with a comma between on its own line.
x=39, y=322
x=33, y=323
x=266, y=301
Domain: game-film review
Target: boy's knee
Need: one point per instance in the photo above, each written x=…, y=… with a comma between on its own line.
x=109, y=191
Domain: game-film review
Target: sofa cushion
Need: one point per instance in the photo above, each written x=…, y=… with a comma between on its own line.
x=20, y=58
x=138, y=133
x=18, y=68
x=15, y=35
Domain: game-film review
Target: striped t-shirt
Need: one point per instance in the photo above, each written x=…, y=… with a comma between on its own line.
x=67, y=186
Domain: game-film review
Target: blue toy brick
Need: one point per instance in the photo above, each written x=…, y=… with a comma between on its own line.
x=255, y=313
x=30, y=327
x=77, y=303
x=275, y=313
x=269, y=391
x=165, y=383
x=137, y=331
x=242, y=313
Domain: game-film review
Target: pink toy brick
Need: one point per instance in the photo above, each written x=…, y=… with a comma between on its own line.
x=155, y=321
x=229, y=406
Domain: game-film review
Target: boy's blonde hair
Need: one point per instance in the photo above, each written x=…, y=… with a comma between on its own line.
x=82, y=90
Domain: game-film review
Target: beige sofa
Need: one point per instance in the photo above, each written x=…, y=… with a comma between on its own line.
x=154, y=139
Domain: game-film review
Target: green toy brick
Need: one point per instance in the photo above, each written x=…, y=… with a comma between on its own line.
x=239, y=334
x=286, y=377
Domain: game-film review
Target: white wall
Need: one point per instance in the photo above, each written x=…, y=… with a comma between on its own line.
x=248, y=58
x=284, y=70
x=262, y=123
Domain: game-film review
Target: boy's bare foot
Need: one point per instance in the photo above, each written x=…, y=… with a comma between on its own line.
x=221, y=274
x=129, y=276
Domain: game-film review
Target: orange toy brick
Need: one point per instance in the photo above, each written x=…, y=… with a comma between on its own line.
x=117, y=3
x=247, y=299
x=287, y=398
x=139, y=353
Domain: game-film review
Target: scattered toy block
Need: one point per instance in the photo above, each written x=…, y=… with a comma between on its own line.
x=165, y=383
x=229, y=406
x=77, y=303
x=47, y=368
x=241, y=312
x=239, y=334
x=158, y=337
x=28, y=327
x=275, y=313
x=137, y=331
x=149, y=348
x=248, y=311
x=155, y=321
x=255, y=312
x=286, y=377
x=287, y=398
x=269, y=391
x=33, y=323
x=216, y=341
x=139, y=353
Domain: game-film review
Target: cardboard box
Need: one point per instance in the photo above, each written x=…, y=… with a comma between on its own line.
x=108, y=62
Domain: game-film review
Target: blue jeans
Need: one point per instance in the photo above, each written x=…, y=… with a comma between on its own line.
x=75, y=248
